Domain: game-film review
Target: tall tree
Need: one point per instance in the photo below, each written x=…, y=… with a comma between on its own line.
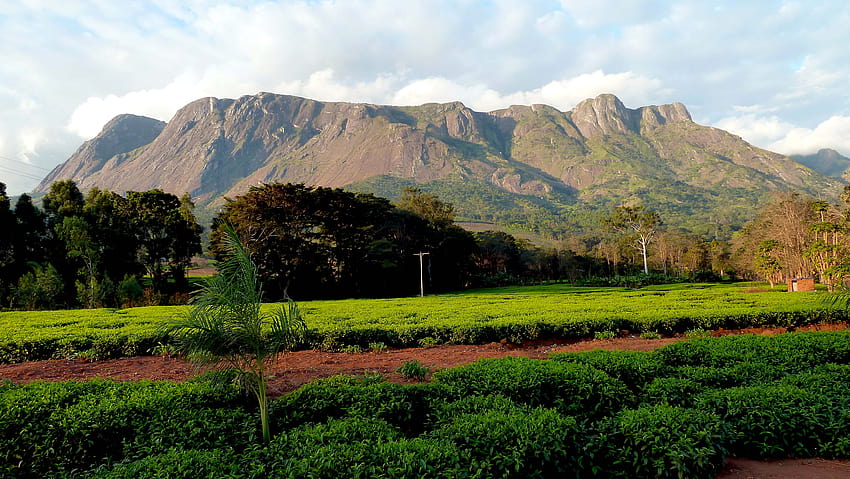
x=317, y=239
x=7, y=236
x=639, y=225
x=32, y=233
x=165, y=232
x=63, y=199
x=109, y=224
x=82, y=247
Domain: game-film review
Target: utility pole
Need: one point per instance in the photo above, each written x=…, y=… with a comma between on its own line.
x=421, y=274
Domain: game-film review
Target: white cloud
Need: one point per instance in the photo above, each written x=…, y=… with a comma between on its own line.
x=635, y=90
x=832, y=133
x=783, y=137
x=758, y=130
x=68, y=67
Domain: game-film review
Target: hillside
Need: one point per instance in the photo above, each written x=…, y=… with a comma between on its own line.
x=827, y=161
x=534, y=167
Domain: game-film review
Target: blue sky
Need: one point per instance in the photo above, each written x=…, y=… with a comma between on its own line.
x=774, y=72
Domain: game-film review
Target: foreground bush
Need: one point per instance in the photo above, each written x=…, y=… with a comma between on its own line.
x=675, y=412
x=65, y=426
x=573, y=389
x=659, y=442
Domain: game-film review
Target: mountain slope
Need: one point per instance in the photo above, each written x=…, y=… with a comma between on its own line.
x=542, y=168
x=826, y=161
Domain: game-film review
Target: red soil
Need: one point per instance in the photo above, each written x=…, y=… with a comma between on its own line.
x=297, y=368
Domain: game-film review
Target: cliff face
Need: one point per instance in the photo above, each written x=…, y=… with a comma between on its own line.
x=214, y=147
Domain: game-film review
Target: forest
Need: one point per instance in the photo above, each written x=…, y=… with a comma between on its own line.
x=102, y=249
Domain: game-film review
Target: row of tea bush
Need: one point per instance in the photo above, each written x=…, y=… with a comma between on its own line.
x=474, y=317
x=675, y=412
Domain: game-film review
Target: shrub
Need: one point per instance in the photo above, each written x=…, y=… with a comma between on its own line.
x=772, y=421
x=574, y=389
x=604, y=335
x=178, y=464
x=658, y=442
x=406, y=407
x=672, y=391
x=413, y=370
x=634, y=368
x=359, y=447
x=740, y=374
x=517, y=443
x=49, y=427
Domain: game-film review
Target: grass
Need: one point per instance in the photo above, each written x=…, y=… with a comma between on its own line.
x=514, y=313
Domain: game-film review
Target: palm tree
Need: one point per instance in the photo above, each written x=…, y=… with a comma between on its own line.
x=226, y=327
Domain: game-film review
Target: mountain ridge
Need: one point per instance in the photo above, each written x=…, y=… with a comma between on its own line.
x=599, y=153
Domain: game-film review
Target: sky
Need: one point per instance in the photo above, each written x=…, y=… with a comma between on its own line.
x=776, y=73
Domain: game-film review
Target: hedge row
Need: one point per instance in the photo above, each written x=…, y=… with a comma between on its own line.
x=475, y=317
x=676, y=412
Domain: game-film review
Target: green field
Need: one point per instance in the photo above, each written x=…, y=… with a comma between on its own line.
x=480, y=316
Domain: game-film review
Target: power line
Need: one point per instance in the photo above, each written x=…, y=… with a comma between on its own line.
x=30, y=165
x=24, y=174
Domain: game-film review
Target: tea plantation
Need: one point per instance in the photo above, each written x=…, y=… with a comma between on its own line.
x=473, y=317
x=676, y=412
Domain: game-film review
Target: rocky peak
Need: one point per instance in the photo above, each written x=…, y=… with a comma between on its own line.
x=652, y=117
x=121, y=135
x=606, y=114
x=603, y=115
x=124, y=133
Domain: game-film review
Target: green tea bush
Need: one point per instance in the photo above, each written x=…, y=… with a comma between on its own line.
x=672, y=391
x=48, y=427
x=413, y=370
x=521, y=443
x=773, y=421
x=447, y=411
x=788, y=352
x=739, y=374
x=634, y=368
x=406, y=407
x=574, y=389
x=481, y=316
x=179, y=464
x=829, y=380
x=357, y=447
x=658, y=442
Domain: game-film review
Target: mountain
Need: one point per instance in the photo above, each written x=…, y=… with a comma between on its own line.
x=533, y=166
x=827, y=161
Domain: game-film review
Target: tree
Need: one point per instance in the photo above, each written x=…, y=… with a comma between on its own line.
x=109, y=223
x=317, y=239
x=428, y=206
x=639, y=225
x=74, y=231
x=766, y=262
x=498, y=253
x=167, y=234
x=63, y=199
x=226, y=325
x=7, y=236
x=32, y=233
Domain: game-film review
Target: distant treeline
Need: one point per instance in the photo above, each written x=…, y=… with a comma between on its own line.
x=102, y=249
x=97, y=250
